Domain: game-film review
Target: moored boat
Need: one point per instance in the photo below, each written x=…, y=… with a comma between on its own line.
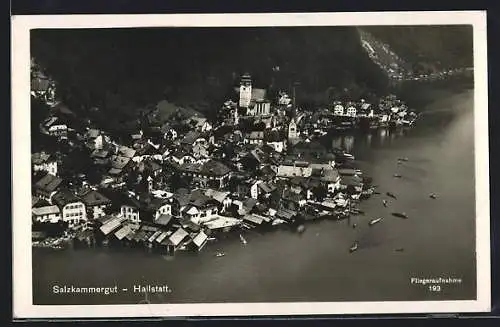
x=400, y=215
x=354, y=247
x=375, y=221
x=243, y=240
x=392, y=195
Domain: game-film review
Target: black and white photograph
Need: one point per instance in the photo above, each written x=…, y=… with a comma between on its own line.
x=250, y=164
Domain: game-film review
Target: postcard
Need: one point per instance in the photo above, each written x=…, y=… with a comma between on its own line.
x=250, y=164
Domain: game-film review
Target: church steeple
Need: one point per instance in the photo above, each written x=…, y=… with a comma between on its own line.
x=292, y=130
x=245, y=90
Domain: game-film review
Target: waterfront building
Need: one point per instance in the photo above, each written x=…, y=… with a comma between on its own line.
x=351, y=111
x=338, y=109
x=72, y=208
x=95, y=203
x=47, y=214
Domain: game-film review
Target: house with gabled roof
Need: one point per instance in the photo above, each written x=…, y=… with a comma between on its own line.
x=43, y=161
x=72, y=208
x=176, y=240
x=200, y=208
x=198, y=241
x=125, y=205
x=47, y=186
x=95, y=203
x=211, y=173
x=46, y=214
x=118, y=165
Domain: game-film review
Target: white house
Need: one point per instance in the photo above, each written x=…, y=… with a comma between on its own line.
x=47, y=214
x=301, y=169
x=338, y=110
x=278, y=146
x=72, y=208
x=161, y=206
x=130, y=212
x=95, y=203
x=201, y=124
x=284, y=99
x=58, y=130
x=255, y=137
x=254, y=189
x=351, y=111
x=44, y=162
x=201, y=214
x=181, y=158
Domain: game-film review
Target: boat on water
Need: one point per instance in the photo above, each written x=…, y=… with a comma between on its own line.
x=392, y=195
x=403, y=159
x=433, y=196
x=211, y=239
x=243, y=240
x=397, y=175
x=384, y=202
x=400, y=215
x=348, y=155
x=375, y=221
x=220, y=254
x=354, y=247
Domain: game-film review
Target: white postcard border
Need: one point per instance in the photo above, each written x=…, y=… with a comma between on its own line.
x=21, y=163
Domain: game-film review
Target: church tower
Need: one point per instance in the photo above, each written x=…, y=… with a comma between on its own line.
x=292, y=130
x=245, y=90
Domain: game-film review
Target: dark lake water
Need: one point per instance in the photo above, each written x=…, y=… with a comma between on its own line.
x=438, y=238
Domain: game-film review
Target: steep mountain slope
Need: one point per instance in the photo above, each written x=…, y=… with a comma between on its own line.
x=121, y=70
x=428, y=48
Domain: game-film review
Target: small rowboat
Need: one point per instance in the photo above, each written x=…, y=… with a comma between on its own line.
x=354, y=247
x=374, y=221
x=391, y=195
x=400, y=215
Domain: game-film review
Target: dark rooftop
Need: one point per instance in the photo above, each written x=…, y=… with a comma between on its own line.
x=64, y=197
x=93, y=198
x=49, y=183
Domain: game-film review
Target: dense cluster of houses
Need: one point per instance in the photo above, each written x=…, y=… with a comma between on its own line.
x=176, y=185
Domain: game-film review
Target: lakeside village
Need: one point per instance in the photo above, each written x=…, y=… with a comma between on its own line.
x=190, y=181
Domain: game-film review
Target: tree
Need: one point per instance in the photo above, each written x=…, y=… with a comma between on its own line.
x=131, y=179
x=320, y=192
x=233, y=184
x=249, y=163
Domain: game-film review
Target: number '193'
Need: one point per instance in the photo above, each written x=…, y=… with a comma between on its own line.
x=435, y=288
